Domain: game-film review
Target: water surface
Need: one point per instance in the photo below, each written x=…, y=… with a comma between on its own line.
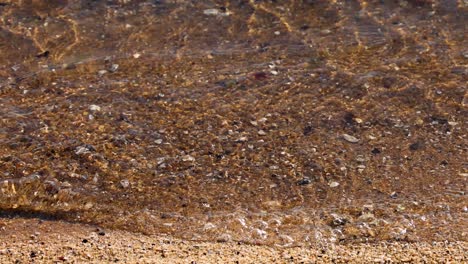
x=277, y=122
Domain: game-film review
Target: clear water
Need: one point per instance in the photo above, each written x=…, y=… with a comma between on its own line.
x=289, y=123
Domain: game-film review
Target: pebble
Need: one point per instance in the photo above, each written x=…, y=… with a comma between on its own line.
x=102, y=72
x=214, y=12
x=338, y=220
x=114, y=67
x=286, y=240
x=136, y=55
x=88, y=205
x=242, y=139
x=261, y=132
x=82, y=150
x=95, y=108
x=66, y=184
x=361, y=168
x=124, y=183
x=262, y=234
x=333, y=184
x=188, y=158
x=211, y=11
x=209, y=226
x=350, y=138
x=224, y=238
x=465, y=54
x=304, y=181
x=376, y=151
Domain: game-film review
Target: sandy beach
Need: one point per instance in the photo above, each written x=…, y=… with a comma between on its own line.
x=38, y=241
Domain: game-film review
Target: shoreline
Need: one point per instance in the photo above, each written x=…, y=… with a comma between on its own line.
x=45, y=241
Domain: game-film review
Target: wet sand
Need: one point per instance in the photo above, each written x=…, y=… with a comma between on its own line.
x=34, y=241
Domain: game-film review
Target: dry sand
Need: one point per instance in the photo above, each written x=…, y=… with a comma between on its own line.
x=39, y=241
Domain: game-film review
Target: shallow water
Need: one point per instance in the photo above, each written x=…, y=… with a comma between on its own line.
x=289, y=122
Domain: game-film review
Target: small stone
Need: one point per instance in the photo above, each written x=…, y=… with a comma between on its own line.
x=261, y=132
x=102, y=72
x=242, y=139
x=361, y=168
x=114, y=67
x=158, y=141
x=88, y=205
x=465, y=54
x=400, y=208
x=337, y=220
x=211, y=11
x=366, y=217
x=416, y=146
x=94, y=108
x=304, y=181
x=215, y=12
x=287, y=240
x=259, y=233
x=350, y=138
x=333, y=184
x=224, y=238
x=136, y=55
x=376, y=151
x=84, y=149
x=209, y=226
x=66, y=185
x=188, y=158
x=124, y=183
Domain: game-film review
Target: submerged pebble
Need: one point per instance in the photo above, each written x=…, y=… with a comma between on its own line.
x=124, y=183
x=95, y=108
x=350, y=138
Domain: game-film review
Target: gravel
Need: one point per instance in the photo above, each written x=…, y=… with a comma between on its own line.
x=75, y=243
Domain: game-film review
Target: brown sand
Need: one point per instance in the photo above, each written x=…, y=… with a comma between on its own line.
x=39, y=241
